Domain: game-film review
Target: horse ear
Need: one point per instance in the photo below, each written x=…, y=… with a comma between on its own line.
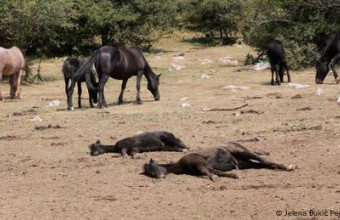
x=158, y=76
x=151, y=161
x=98, y=141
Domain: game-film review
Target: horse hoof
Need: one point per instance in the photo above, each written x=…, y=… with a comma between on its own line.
x=291, y=167
x=213, y=177
x=70, y=108
x=137, y=156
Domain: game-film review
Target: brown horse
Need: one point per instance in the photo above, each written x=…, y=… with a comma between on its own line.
x=11, y=63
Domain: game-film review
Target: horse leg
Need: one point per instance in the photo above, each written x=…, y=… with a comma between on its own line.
x=14, y=82
x=281, y=71
x=69, y=95
x=139, y=77
x=223, y=174
x=263, y=163
x=79, y=93
x=204, y=170
x=272, y=69
x=277, y=72
x=120, y=99
x=288, y=74
x=102, y=81
x=124, y=152
x=134, y=152
x=336, y=59
x=67, y=80
x=0, y=86
x=90, y=99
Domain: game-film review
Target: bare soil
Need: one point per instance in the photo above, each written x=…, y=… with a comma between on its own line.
x=47, y=172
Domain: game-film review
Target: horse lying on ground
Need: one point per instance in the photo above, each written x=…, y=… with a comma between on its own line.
x=278, y=64
x=214, y=162
x=11, y=63
x=146, y=142
x=121, y=64
x=330, y=56
x=70, y=67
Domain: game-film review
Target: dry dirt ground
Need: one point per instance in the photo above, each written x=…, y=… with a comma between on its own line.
x=47, y=172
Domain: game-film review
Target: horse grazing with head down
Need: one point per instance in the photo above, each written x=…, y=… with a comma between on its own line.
x=120, y=64
x=70, y=67
x=278, y=64
x=214, y=162
x=11, y=63
x=330, y=56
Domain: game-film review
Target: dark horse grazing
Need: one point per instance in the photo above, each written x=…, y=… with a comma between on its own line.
x=278, y=64
x=214, y=161
x=11, y=63
x=121, y=64
x=331, y=54
x=146, y=142
x=70, y=67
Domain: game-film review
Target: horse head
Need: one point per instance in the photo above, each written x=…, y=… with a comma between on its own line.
x=96, y=149
x=321, y=71
x=153, y=86
x=152, y=169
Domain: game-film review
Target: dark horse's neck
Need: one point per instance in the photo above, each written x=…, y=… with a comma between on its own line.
x=331, y=49
x=150, y=76
x=110, y=148
x=172, y=168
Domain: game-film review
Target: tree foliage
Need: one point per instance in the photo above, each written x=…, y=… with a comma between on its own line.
x=216, y=18
x=63, y=27
x=302, y=25
x=57, y=27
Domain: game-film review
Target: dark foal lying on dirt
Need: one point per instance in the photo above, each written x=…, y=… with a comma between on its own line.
x=214, y=162
x=146, y=142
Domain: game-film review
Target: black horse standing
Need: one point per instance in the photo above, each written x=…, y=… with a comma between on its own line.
x=70, y=67
x=120, y=64
x=278, y=64
x=331, y=54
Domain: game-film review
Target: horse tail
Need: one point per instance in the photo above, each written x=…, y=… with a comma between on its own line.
x=86, y=70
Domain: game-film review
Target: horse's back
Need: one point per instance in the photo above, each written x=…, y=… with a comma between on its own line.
x=121, y=63
x=275, y=50
x=333, y=45
x=11, y=60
